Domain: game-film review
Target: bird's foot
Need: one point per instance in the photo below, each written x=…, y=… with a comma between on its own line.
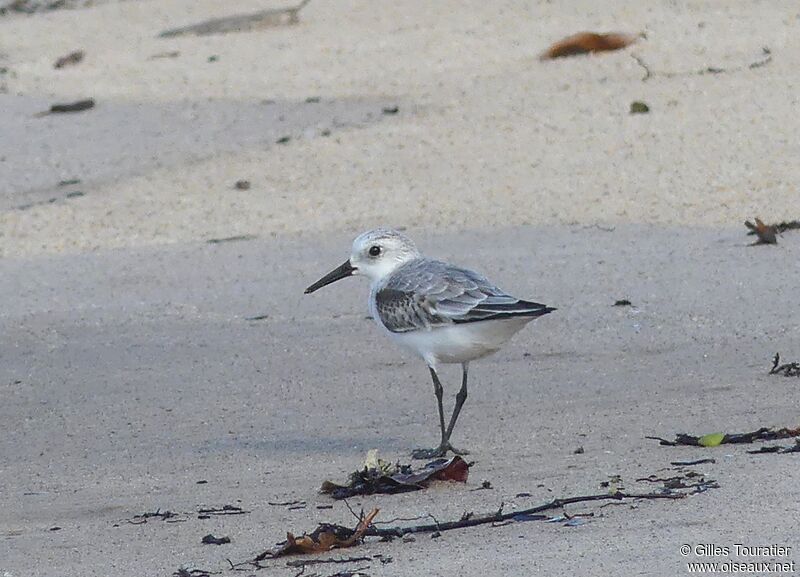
x=437, y=453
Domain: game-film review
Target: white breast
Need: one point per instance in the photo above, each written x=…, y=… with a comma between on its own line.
x=457, y=343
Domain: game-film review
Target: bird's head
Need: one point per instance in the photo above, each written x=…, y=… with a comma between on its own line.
x=375, y=254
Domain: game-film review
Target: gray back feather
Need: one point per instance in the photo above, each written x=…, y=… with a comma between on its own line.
x=427, y=293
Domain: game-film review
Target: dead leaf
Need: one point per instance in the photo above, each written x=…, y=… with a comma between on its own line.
x=586, y=42
x=398, y=478
x=324, y=538
x=711, y=440
x=212, y=540
x=77, y=106
x=765, y=233
x=785, y=369
x=70, y=59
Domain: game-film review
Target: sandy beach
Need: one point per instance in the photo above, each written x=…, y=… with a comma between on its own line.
x=133, y=381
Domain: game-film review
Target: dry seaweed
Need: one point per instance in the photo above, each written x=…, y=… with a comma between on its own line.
x=766, y=234
x=69, y=107
x=762, y=434
x=765, y=58
x=785, y=369
x=398, y=478
x=324, y=538
x=217, y=511
x=70, y=59
x=183, y=572
x=329, y=536
x=691, y=463
x=337, y=560
x=237, y=238
x=212, y=540
x=778, y=449
x=168, y=516
x=785, y=225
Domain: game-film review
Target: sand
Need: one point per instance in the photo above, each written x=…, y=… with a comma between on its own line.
x=129, y=371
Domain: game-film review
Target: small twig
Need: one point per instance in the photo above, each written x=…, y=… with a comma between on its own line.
x=780, y=449
x=647, y=73
x=348, y=573
x=245, y=565
x=470, y=520
x=690, y=463
x=304, y=562
x=396, y=519
x=360, y=517
x=237, y=238
x=765, y=59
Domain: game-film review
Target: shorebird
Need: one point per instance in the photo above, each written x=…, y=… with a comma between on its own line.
x=443, y=313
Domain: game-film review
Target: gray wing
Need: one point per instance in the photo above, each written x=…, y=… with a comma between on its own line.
x=426, y=294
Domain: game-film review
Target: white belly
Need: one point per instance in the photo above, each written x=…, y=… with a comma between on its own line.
x=460, y=343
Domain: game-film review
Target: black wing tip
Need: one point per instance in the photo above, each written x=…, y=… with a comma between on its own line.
x=545, y=310
x=529, y=308
x=533, y=311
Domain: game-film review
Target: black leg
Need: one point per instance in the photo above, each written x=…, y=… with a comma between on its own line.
x=441, y=450
x=438, y=390
x=460, y=398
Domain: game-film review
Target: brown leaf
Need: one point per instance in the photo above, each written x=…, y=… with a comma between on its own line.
x=765, y=233
x=456, y=469
x=324, y=538
x=585, y=42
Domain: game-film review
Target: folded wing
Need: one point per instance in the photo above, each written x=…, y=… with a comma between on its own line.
x=426, y=294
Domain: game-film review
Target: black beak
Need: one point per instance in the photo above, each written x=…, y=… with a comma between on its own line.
x=338, y=273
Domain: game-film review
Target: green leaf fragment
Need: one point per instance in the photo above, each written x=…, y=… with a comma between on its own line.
x=711, y=440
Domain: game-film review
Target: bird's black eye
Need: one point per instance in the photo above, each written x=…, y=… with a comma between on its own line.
x=374, y=250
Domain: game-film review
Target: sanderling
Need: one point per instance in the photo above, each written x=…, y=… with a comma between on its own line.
x=444, y=313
